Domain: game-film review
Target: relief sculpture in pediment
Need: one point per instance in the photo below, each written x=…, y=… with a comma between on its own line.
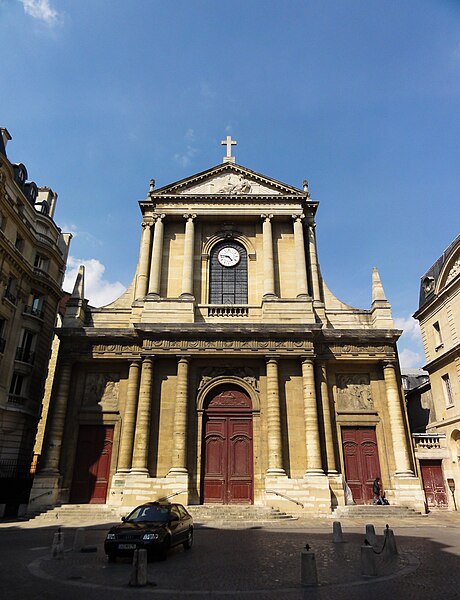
x=354, y=392
x=235, y=185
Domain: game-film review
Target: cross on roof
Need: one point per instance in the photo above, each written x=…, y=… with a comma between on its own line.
x=229, y=143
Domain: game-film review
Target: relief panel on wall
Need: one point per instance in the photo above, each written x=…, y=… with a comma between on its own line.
x=101, y=390
x=354, y=392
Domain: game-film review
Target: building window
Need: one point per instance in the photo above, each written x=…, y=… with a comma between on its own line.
x=2, y=221
x=41, y=262
x=2, y=335
x=437, y=335
x=17, y=386
x=35, y=305
x=448, y=390
x=19, y=243
x=228, y=277
x=24, y=351
x=11, y=290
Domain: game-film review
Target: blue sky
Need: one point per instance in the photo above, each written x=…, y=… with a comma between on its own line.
x=359, y=96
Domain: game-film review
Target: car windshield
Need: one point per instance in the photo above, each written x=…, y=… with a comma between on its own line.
x=148, y=513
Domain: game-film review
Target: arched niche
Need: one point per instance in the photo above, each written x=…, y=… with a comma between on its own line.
x=229, y=380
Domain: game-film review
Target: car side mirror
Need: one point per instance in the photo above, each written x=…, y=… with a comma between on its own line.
x=123, y=519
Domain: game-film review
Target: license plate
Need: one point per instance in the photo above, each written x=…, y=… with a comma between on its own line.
x=127, y=546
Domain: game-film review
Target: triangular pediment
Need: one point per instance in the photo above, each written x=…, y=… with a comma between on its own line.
x=229, y=179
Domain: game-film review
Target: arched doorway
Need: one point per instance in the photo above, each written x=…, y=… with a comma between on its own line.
x=227, y=447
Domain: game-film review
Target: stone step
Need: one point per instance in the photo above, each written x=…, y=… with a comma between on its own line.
x=370, y=510
x=201, y=513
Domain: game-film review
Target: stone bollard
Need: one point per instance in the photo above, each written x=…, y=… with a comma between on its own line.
x=308, y=574
x=79, y=539
x=139, y=569
x=368, y=566
x=337, y=536
x=389, y=549
x=57, y=548
x=370, y=535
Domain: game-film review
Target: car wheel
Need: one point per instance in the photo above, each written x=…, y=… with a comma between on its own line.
x=163, y=551
x=112, y=557
x=189, y=541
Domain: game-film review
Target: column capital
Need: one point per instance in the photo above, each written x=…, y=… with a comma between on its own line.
x=145, y=225
x=184, y=357
x=148, y=357
x=189, y=216
x=386, y=364
x=158, y=217
x=266, y=217
x=307, y=360
x=272, y=358
x=298, y=217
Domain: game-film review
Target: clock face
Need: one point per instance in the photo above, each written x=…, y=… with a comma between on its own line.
x=228, y=257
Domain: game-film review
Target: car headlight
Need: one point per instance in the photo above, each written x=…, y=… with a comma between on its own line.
x=110, y=536
x=150, y=536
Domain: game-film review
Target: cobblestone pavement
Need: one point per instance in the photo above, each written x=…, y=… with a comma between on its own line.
x=259, y=562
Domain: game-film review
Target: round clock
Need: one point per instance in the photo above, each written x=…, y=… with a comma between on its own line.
x=228, y=257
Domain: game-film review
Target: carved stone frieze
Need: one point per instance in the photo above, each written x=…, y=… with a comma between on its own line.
x=248, y=375
x=235, y=184
x=228, y=345
x=116, y=349
x=455, y=270
x=354, y=392
x=361, y=350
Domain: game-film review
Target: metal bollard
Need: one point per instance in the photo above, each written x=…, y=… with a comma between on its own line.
x=139, y=569
x=368, y=566
x=370, y=535
x=337, y=536
x=390, y=548
x=308, y=574
x=79, y=539
x=57, y=548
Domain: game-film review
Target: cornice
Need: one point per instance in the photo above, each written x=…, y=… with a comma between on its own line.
x=440, y=360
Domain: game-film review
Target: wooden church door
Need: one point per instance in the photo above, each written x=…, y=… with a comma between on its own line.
x=92, y=464
x=361, y=461
x=228, y=449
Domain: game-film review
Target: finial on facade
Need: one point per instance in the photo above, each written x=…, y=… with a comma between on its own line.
x=229, y=143
x=305, y=187
x=152, y=185
x=378, y=293
x=79, y=287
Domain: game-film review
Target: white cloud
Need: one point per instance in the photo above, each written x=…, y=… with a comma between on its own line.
x=410, y=359
x=98, y=291
x=185, y=158
x=85, y=236
x=40, y=9
x=410, y=346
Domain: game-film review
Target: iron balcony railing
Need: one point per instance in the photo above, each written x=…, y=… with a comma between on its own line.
x=34, y=311
x=25, y=355
x=10, y=296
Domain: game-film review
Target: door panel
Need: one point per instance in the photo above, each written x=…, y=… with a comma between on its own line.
x=92, y=464
x=361, y=461
x=433, y=484
x=228, y=449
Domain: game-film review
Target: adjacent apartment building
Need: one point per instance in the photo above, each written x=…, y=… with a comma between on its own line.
x=438, y=450
x=33, y=255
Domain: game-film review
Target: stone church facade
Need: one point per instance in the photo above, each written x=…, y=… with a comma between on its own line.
x=227, y=372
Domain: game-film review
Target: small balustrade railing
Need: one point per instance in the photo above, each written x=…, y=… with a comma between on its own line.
x=221, y=310
x=428, y=441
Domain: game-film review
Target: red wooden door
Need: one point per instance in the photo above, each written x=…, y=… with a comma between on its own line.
x=92, y=464
x=361, y=461
x=228, y=449
x=433, y=483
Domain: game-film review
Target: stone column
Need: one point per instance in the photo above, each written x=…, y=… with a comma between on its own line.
x=301, y=263
x=144, y=412
x=52, y=454
x=316, y=292
x=327, y=418
x=179, y=441
x=269, y=269
x=157, y=253
x=144, y=257
x=187, y=274
x=125, y=455
x=275, y=446
x=397, y=426
x=313, y=447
